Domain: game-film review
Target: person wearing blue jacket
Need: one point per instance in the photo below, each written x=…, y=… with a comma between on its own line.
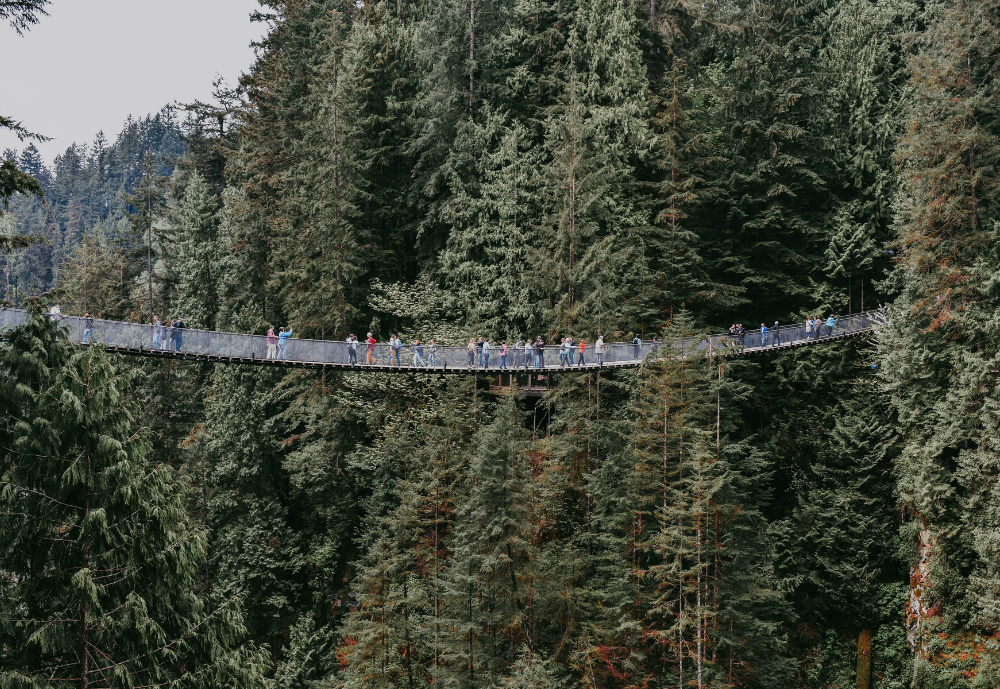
x=283, y=342
x=831, y=323
x=763, y=335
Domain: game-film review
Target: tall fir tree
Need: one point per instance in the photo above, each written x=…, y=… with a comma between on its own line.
x=99, y=559
x=198, y=255
x=938, y=350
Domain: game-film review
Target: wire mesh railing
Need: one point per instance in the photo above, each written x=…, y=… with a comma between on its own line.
x=223, y=346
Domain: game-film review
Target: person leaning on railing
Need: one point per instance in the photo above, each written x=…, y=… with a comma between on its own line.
x=88, y=327
x=352, y=350
x=272, y=343
x=178, y=333
x=283, y=336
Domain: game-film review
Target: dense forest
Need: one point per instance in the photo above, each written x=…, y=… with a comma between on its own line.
x=825, y=516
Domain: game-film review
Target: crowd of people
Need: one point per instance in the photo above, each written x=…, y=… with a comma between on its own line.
x=169, y=337
x=771, y=337
x=527, y=354
x=531, y=353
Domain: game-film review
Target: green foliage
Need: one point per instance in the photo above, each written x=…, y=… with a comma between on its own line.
x=99, y=559
x=938, y=351
x=570, y=167
x=198, y=256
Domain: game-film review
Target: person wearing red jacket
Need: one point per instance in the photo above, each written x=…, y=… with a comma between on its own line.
x=371, y=349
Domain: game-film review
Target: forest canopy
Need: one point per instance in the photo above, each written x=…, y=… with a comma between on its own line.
x=823, y=516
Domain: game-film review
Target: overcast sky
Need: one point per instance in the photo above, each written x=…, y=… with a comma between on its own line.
x=91, y=63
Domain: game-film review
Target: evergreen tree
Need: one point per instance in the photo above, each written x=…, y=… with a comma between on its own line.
x=864, y=89
x=490, y=578
x=99, y=559
x=144, y=204
x=252, y=552
x=320, y=246
x=590, y=261
x=766, y=225
x=198, y=255
x=691, y=498
x=939, y=349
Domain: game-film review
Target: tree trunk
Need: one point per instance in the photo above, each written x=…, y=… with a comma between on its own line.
x=149, y=256
x=84, y=625
x=472, y=51
x=864, y=677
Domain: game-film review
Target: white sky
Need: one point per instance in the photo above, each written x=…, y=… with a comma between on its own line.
x=91, y=63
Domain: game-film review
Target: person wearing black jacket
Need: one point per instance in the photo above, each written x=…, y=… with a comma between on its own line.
x=178, y=326
x=88, y=327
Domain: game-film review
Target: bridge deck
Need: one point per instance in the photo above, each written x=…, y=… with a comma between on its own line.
x=237, y=348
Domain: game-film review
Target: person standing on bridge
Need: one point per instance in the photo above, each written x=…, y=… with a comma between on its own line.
x=352, y=349
x=283, y=336
x=809, y=327
x=831, y=323
x=540, y=352
x=432, y=353
x=157, y=333
x=599, y=349
x=486, y=352
x=370, y=359
x=569, y=349
x=763, y=335
x=479, y=351
x=395, y=346
x=418, y=354
x=636, y=346
x=563, y=352
x=88, y=327
x=583, y=348
x=527, y=354
x=272, y=343
x=775, y=335
x=471, y=349
x=503, y=354
x=178, y=327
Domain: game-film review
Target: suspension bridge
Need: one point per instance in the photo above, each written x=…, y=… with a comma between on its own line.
x=190, y=344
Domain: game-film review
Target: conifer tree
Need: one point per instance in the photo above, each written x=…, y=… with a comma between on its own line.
x=400, y=631
x=198, y=255
x=690, y=500
x=252, y=551
x=144, y=204
x=99, y=559
x=490, y=213
x=595, y=130
x=490, y=578
x=89, y=278
x=320, y=244
x=768, y=227
x=863, y=93
x=940, y=345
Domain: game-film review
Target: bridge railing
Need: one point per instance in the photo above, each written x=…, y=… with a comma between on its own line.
x=222, y=345
x=790, y=334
